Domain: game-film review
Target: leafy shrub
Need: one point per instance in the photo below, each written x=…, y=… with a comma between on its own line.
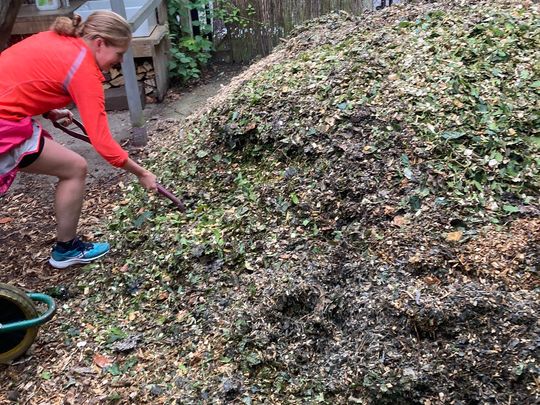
x=189, y=53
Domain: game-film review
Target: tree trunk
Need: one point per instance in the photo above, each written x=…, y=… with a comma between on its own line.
x=8, y=13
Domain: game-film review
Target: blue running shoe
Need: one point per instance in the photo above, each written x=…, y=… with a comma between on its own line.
x=78, y=252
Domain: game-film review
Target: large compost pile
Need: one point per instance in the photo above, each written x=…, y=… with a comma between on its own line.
x=362, y=225
x=363, y=221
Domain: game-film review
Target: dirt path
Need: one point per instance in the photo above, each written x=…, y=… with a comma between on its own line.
x=27, y=223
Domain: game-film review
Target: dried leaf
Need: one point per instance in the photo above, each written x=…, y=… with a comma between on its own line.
x=454, y=236
x=102, y=361
x=400, y=221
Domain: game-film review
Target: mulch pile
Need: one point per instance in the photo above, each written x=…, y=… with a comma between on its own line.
x=362, y=227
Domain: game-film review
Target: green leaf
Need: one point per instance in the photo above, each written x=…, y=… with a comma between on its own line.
x=408, y=173
x=510, y=209
x=405, y=160
x=525, y=74
x=497, y=156
x=343, y=106
x=405, y=24
x=137, y=223
x=415, y=203
x=115, y=334
x=253, y=359
x=482, y=107
x=493, y=127
x=452, y=135
x=535, y=140
x=130, y=363
x=114, y=369
x=202, y=153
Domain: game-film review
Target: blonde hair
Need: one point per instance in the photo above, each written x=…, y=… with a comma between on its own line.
x=105, y=24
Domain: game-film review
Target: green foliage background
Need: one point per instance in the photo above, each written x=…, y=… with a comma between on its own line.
x=189, y=53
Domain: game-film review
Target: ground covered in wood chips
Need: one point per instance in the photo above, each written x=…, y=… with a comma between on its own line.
x=362, y=226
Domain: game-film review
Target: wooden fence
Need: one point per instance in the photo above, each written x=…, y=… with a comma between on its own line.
x=274, y=19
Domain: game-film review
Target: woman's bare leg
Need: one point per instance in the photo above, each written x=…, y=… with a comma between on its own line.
x=70, y=168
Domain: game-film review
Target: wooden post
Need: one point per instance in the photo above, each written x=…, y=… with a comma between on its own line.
x=162, y=14
x=185, y=19
x=8, y=14
x=140, y=135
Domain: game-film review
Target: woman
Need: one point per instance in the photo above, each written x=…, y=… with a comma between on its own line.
x=46, y=72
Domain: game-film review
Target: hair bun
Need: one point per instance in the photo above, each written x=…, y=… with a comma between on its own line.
x=77, y=19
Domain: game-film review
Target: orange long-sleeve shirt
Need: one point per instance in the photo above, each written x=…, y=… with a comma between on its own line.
x=48, y=71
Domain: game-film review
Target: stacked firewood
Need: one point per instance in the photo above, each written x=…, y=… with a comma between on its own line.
x=145, y=75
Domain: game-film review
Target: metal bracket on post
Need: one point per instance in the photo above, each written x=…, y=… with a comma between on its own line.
x=139, y=136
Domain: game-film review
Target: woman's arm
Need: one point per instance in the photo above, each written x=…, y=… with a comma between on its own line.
x=147, y=179
x=87, y=92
